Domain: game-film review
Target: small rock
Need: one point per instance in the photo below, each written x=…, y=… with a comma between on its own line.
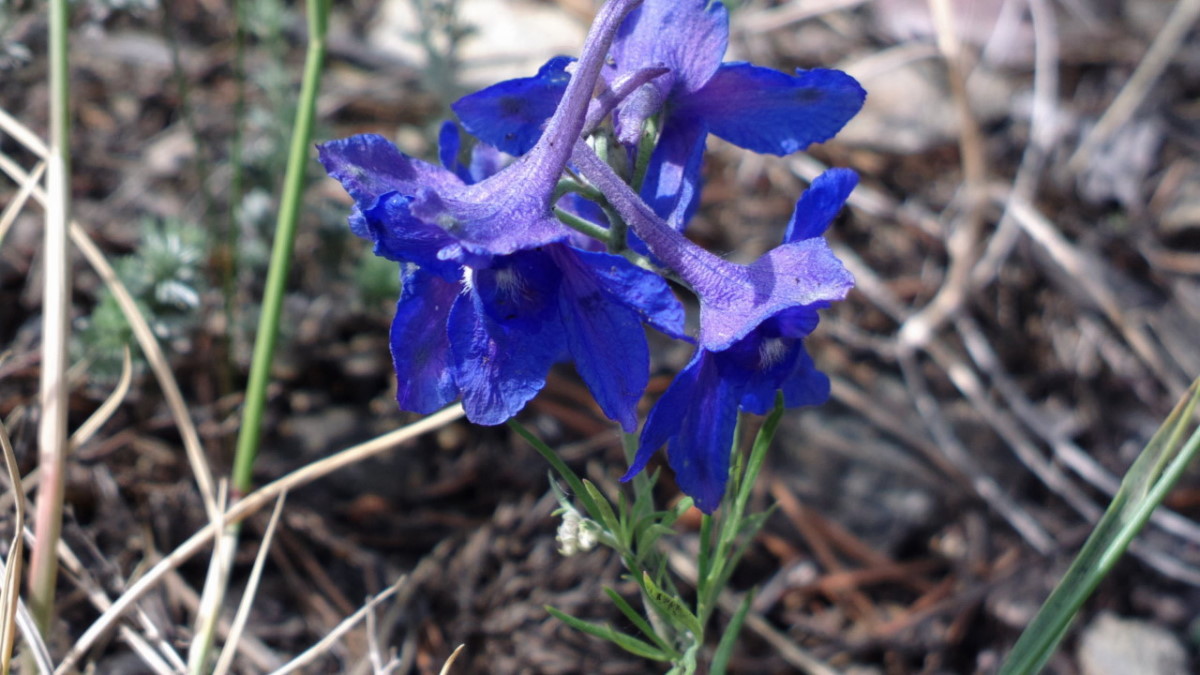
x=506, y=38
x=1112, y=645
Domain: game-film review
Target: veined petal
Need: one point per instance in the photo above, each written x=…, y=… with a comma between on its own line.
x=512, y=114
x=419, y=344
x=495, y=217
x=605, y=339
x=767, y=111
x=819, y=204
x=643, y=292
x=696, y=418
x=734, y=299
x=400, y=236
x=503, y=341
x=449, y=145
x=687, y=36
x=672, y=185
x=369, y=166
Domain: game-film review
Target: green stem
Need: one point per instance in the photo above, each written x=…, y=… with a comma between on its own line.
x=250, y=433
x=52, y=442
x=580, y=225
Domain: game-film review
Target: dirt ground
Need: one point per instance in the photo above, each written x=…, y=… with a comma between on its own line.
x=1026, y=244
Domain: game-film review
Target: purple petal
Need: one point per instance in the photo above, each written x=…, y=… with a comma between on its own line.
x=767, y=111
x=511, y=115
x=369, y=166
x=504, y=335
x=672, y=184
x=449, y=145
x=507, y=212
x=606, y=339
x=805, y=385
x=641, y=291
x=687, y=36
x=399, y=236
x=666, y=417
x=498, y=216
x=764, y=362
x=696, y=417
x=819, y=204
x=486, y=161
x=734, y=299
x=797, y=322
x=419, y=344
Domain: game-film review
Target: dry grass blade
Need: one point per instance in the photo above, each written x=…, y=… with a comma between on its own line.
x=33, y=641
x=450, y=661
x=9, y=216
x=957, y=452
x=23, y=135
x=110, y=405
x=312, y=653
x=53, y=387
x=1152, y=65
x=962, y=241
x=10, y=593
x=154, y=650
x=251, y=503
x=146, y=340
x=243, y=612
x=1090, y=273
x=213, y=596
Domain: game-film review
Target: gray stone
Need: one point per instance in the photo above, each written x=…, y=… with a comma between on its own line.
x=1112, y=645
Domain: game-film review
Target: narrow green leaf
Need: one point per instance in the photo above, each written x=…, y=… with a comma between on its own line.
x=640, y=621
x=672, y=607
x=720, y=660
x=627, y=642
x=1143, y=488
x=605, y=513
x=559, y=466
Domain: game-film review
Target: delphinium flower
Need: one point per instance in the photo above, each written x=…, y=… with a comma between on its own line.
x=751, y=320
x=485, y=257
x=697, y=414
x=496, y=289
x=752, y=107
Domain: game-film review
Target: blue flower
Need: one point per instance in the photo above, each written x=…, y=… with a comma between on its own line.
x=756, y=108
x=697, y=414
x=489, y=332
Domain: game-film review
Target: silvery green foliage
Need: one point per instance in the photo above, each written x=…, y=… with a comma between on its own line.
x=164, y=277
